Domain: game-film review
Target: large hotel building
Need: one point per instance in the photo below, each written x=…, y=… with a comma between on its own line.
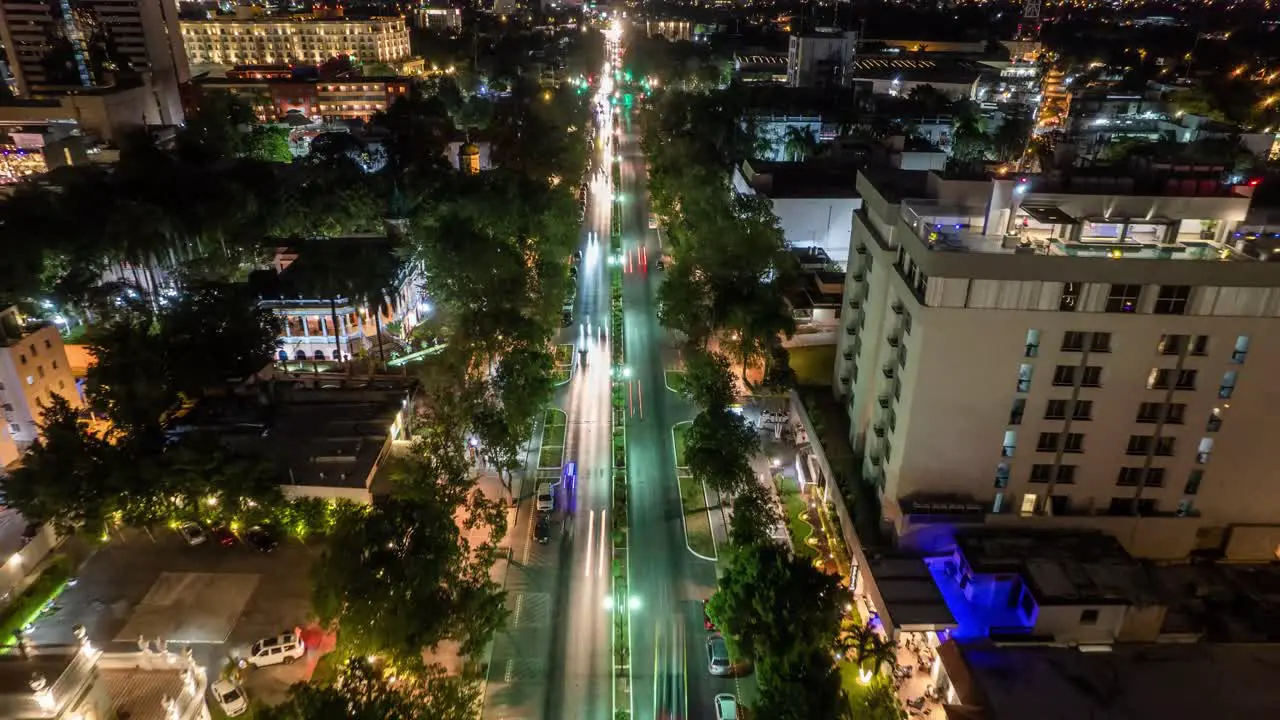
x=269, y=41
x=1071, y=350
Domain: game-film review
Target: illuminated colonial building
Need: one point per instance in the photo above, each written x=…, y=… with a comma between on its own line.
x=264, y=40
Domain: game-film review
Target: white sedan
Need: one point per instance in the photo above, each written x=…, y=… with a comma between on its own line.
x=726, y=707
x=229, y=697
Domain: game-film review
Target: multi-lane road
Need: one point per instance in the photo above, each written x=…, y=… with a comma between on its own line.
x=556, y=659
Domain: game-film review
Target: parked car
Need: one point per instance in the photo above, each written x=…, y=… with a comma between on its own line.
x=223, y=535
x=283, y=648
x=30, y=532
x=546, y=501
x=542, y=529
x=726, y=707
x=230, y=698
x=192, y=533
x=263, y=539
x=718, y=655
x=661, y=265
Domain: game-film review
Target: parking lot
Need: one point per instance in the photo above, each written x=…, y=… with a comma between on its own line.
x=216, y=599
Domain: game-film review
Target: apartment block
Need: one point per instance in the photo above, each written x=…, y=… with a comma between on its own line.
x=267, y=40
x=1064, y=351
x=56, y=48
x=33, y=366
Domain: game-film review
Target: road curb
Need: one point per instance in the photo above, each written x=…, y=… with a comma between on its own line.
x=683, y=523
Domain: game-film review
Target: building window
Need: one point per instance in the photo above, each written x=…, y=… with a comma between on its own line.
x=1092, y=377
x=40, y=371
x=1073, y=341
x=1215, y=421
x=1033, y=343
x=1048, y=442
x=1200, y=346
x=22, y=358
x=1055, y=410
x=1024, y=377
x=1088, y=617
x=1040, y=473
x=1204, y=451
x=1154, y=478
x=1172, y=300
x=1074, y=443
x=1228, y=385
x=1070, y=298
x=1149, y=412
x=1174, y=413
x=1193, y=482
x=1066, y=475
x=48, y=345
x=1010, y=443
x=1138, y=445
x=1123, y=298
x=1171, y=344
x=1083, y=410
x=1186, y=380
x=1002, y=475
x=1015, y=413
x=55, y=364
x=1100, y=342
x=1164, y=446
x=1241, y=349
x=1064, y=375
x=31, y=380
x=1158, y=378
x=1129, y=477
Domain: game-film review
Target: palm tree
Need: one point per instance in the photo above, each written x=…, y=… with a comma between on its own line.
x=864, y=646
x=799, y=143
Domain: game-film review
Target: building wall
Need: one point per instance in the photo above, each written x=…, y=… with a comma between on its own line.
x=268, y=41
x=31, y=369
x=950, y=401
x=1068, y=623
x=811, y=222
x=272, y=99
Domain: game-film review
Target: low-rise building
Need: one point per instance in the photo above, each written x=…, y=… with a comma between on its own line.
x=1082, y=350
x=33, y=367
x=956, y=78
x=814, y=202
x=273, y=97
x=308, y=316
x=84, y=683
x=1167, y=680
x=328, y=436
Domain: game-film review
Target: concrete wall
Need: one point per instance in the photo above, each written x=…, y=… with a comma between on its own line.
x=16, y=568
x=1063, y=623
x=358, y=495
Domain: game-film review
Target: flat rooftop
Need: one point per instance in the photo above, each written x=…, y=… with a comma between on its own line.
x=810, y=179
x=1166, y=681
x=909, y=69
x=908, y=593
x=1062, y=567
x=320, y=431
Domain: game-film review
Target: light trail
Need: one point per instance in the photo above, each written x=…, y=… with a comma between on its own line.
x=591, y=529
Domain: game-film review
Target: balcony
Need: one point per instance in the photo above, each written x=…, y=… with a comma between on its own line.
x=896, y=307
x=894, y=340
x=889, y=371
x=845, y=380
x=848, y=354
x=883, y=400
x=855, y=304
x=878, y=429
x=851, y=330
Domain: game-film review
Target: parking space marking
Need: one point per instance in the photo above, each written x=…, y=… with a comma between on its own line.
x=515, y=614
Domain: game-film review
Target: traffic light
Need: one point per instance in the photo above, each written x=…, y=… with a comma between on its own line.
x=628, y=75
x=626, y=100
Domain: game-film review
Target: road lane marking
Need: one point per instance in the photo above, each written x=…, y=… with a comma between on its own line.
x=511, y=668
x=640, y=397
x=515, y=615
x=591, y=528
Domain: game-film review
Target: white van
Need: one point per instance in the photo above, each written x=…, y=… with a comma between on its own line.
x=546, y=501
x=283, y=648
